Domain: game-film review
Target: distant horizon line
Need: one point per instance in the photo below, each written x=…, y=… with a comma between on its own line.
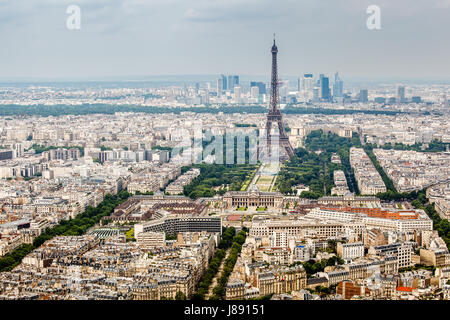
x=214, y=76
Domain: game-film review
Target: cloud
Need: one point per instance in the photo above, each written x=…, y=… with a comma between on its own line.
x=226, y=11
x=443, y=4
x=201, y=36
x=100, y=15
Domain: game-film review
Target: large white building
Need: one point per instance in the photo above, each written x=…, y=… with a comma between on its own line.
x=349, y=251
x=151, y=239
x=396, y=220
x=402, y=251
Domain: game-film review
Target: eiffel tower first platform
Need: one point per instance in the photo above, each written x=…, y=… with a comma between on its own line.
x=274, y=116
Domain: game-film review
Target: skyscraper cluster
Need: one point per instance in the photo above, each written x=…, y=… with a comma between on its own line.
x=338, y=87
x=230, y=86
x=225, y=83
x=400, y=97
x=319, y=90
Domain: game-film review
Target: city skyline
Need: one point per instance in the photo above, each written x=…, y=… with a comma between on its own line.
x=311, y=181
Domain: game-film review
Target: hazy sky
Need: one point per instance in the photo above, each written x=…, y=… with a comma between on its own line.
x=156, y=37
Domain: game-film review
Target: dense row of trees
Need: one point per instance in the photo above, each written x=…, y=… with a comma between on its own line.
x=387, y=181
x=403, y=196
x=72, y=227
x=85, y=220
x=219, y=289
x=12, y=259
x=147, y=193
x=312, y=165
x=227, y=238
x=162, y=148
x=417, y=267
x=304, y=168
x=58, y=110
x=295, y=109
x=214, y=175
x=442, y=226
x=329, y=143
x=323, y=291
x=312, y=267
x=245, y=125
x=434, y=146
x=104, y=148
x=214, y=264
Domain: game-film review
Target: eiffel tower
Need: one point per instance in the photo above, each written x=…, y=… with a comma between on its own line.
x=274, y=114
